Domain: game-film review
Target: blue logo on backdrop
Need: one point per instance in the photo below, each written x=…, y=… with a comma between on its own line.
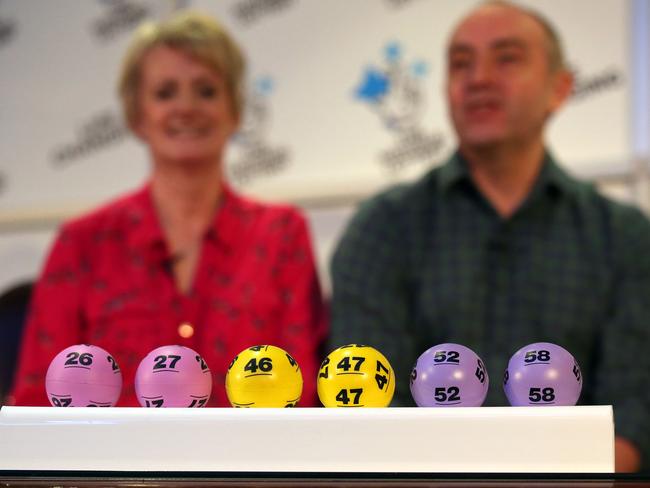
x=396, y=93
x=257, y=158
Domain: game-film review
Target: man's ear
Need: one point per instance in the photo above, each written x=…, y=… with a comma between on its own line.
x=561, y=89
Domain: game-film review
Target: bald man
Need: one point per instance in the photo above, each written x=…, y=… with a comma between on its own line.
x=499, y=247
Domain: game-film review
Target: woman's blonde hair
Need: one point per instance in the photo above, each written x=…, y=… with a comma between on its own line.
x=198, y=35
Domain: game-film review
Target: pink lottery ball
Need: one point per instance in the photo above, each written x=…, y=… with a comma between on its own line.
x=173, y=376
x=83, y=376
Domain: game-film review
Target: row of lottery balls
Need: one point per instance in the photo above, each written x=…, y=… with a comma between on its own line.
x=446, y=375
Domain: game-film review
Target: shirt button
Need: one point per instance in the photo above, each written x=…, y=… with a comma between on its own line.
x=185, y=330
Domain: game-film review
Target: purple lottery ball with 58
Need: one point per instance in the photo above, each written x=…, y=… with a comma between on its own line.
x=449, y=375
x=542, y=374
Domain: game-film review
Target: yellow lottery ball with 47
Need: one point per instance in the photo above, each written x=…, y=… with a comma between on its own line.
x=263, y=376
x=356, y=376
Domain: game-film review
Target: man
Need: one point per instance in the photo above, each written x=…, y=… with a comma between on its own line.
x=499, y=247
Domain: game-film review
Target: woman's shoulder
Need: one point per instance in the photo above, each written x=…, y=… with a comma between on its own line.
x=263, y=212
x=117, y=213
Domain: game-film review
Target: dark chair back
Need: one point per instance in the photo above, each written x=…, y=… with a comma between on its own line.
x=13, y=311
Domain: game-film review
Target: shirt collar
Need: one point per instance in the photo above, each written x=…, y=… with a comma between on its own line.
x=229, y=223
x=452, y=172
x=146, y=230
x=554, y=176
x=455, y=170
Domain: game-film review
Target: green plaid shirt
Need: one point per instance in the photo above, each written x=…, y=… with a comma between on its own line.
x=433, y=262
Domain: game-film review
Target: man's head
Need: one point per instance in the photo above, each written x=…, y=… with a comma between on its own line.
x=506, y=75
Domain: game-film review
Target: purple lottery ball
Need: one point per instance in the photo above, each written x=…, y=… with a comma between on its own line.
x=83, y=376
x=542, y=374
x=173, y=376
x=449, y=375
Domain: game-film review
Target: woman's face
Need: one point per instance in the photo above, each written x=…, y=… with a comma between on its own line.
x=184, y=109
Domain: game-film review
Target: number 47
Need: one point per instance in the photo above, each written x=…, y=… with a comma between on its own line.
x=381, y=379
x=344, y=398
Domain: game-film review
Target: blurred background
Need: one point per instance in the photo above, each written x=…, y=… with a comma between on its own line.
x=344, y=98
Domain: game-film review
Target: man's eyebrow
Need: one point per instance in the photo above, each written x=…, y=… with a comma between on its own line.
x=460, y=48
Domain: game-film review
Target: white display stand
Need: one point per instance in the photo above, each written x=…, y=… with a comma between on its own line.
x=310, y=440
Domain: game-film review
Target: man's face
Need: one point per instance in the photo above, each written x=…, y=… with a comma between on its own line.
x=500, y=87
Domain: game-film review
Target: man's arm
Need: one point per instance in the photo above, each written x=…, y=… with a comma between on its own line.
x=623, y=372
x=370, y=302
x=628, y=456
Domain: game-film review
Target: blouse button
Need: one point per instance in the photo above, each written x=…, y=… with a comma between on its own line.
x=186, y=330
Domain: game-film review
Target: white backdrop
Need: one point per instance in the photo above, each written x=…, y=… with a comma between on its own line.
x=344, y=98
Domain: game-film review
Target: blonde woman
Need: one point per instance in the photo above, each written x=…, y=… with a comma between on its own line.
x=184, y=259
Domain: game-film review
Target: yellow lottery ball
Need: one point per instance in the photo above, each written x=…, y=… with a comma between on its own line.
x=263, y=376
x=356, y=376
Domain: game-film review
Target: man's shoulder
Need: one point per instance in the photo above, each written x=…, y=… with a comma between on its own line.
x=590, y=197
x=384, y=234
x=626, y=220
x=621, y=220
x=590, y=200
x=403, y=198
